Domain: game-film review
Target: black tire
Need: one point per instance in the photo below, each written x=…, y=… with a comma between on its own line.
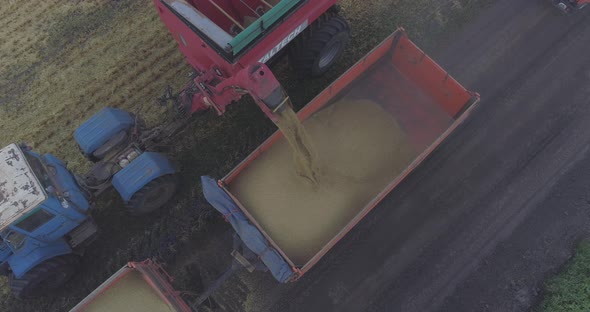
x=153, y=195
x=45, y=277
x=4, y=269
x=320, y=46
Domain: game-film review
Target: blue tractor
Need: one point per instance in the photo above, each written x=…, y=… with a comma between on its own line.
x=44, y=207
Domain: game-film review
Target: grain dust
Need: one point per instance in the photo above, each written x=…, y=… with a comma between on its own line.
x=303, y=152
x=360, y=149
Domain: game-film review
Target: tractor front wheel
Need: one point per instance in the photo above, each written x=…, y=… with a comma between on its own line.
x=45, y=277
x=152, y=196
x=320, y=46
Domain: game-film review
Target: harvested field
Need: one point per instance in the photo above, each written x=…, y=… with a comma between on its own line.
x=68, y=61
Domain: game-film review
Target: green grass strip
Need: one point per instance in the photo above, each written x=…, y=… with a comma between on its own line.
x=570, y=289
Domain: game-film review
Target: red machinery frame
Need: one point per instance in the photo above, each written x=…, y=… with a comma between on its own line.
x=221, y=77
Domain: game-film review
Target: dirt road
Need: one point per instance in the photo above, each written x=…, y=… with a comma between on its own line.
x=501, y=204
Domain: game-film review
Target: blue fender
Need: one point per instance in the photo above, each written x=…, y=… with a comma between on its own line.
x=146, y=168
x=34, y=252
x=97, y=130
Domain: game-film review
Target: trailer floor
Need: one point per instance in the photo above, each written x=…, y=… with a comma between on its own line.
x=501, y=205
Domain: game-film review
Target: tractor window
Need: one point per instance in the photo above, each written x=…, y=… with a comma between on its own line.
x=15, y=240
x=35, y=220
x=39, y=170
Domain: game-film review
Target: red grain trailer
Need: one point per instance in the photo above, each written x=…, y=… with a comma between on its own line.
x=422, y=98
x=138, y=286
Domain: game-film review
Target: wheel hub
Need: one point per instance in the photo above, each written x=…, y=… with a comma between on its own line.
x=331, y=52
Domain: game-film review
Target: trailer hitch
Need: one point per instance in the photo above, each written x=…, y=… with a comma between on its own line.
x=244, y=258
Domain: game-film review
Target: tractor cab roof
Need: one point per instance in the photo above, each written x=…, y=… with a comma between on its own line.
x=20, y=189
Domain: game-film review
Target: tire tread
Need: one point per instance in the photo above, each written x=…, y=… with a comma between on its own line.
x=305, y=50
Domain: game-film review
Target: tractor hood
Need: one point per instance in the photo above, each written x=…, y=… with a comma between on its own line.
x=20, y=190
x=97, y=130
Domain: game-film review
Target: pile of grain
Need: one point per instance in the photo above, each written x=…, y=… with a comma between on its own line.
x=360, y=149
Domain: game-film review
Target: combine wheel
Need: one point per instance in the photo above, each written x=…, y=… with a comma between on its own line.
x=45, y=277
x=152, y=196
x=320, y=46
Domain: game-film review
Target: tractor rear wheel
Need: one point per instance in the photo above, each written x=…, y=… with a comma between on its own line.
x=45, y=277
x=320, y=46
x=152, y=196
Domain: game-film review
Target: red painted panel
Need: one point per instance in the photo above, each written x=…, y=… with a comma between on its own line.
x=429, y=76
x=202, y=57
